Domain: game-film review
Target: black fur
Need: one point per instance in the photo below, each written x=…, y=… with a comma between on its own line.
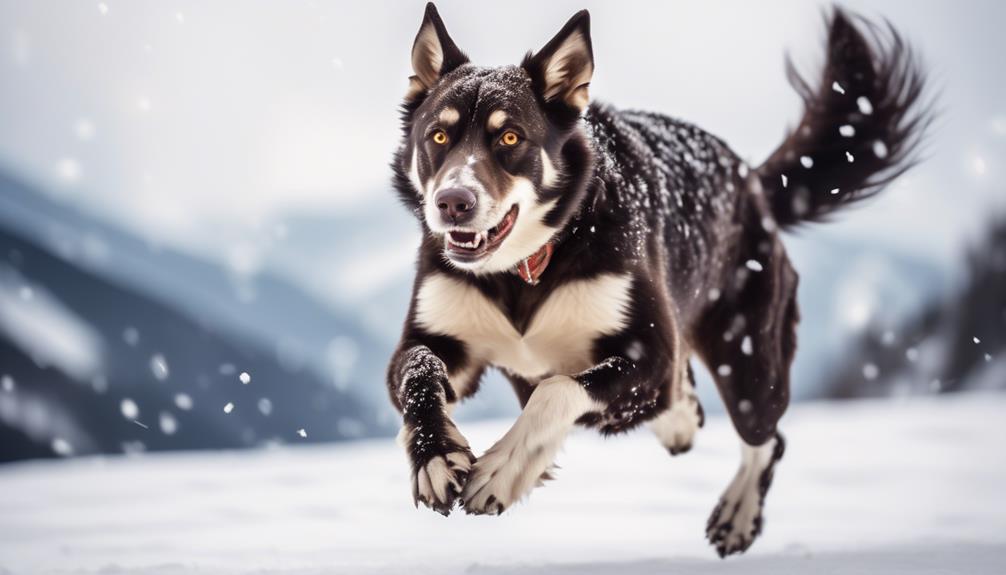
x=867, y=61
x=642, y=195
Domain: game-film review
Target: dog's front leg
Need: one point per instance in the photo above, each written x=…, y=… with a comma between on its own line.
x=521, y=460
x=439, y=454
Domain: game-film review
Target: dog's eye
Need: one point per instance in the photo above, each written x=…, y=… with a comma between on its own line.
x=510, y=138
x=440, y=137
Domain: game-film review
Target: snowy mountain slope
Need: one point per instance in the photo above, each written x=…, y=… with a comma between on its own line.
x=304, y=331
x=897, y=487
x=90, y=366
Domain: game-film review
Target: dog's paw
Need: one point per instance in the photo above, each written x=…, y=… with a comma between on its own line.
x=438, y=483
x=503, y=476
x=733, y=526
x=737, y=519
x=677, y=426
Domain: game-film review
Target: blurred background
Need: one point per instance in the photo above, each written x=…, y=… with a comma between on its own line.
x=200, y=247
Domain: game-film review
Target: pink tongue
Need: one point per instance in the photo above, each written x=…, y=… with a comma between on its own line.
x=462, y=237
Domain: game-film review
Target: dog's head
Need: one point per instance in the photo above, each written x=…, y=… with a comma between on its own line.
x=493, y=159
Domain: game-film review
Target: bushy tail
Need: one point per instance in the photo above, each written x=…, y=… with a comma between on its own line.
x=862, y=124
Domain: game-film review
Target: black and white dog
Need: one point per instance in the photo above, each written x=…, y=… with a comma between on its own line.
x=589, y=252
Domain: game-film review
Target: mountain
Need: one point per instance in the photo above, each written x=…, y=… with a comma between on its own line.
x=95, y=325
x=954, y=342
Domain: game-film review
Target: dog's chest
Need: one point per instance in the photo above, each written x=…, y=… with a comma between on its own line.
x=558, y=338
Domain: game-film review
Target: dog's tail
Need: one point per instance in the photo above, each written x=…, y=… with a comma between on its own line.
x=861, y=128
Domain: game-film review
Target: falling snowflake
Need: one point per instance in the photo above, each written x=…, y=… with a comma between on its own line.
x=168, y=423
x=183, y=401
x=265, y=406
x=61, y=447
x=834, y=191
x=849, y=157
x=245, y=378
x=837, y=87
x=229, y=407
x=129, y=409
x=807, y=162
x=976, y=340
x=746, y=347
x=865, y=106
x=724, y=370
x=871, y=371
x=880, y=149
x=131, y=336
x=159, y=367
x=7, y=383
x=846, y=131
x=754, y=265
x=302, y=432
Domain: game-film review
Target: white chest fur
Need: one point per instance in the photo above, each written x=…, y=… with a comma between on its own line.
x=558, y=339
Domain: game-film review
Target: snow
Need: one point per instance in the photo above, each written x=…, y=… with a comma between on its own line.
x=129, y=409
x=912, y=486
x=245, y=378
x=183, y=401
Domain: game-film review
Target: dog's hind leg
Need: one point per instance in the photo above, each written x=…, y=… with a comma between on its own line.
x=747, y=338
x=676, y=426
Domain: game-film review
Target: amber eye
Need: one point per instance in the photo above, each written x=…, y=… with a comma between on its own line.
x=510, y=139
x=440, y=137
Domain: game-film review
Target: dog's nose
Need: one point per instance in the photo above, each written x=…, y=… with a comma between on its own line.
x=456, y=205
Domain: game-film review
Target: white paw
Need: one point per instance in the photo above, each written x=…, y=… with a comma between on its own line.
x=505, y=474
x=737, y=519
x=676, y=427
x=439, y=482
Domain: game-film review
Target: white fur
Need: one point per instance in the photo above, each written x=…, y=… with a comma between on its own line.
x=438, y=480
x=460, y=176
x=558, y=338
x=676, y=427
x=496, y=120
x=529, y=232
x=741, y=502
x=414, y=173
x=515, y=464
x=550, y=176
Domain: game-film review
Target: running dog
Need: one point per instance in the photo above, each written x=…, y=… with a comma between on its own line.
x=588, y=253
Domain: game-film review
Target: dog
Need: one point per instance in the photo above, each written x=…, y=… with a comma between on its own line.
x=589, y=253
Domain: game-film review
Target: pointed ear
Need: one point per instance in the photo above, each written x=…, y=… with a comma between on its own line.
x=433, y=54
x=561, y=71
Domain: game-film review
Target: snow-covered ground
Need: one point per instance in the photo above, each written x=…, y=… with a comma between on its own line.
x=904, y=486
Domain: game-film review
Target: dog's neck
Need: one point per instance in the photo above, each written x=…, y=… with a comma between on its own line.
x=531, y=268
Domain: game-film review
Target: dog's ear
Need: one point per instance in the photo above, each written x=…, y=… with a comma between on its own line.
x=561, y=71
x=433, y=54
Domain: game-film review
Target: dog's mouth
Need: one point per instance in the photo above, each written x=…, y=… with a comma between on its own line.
x=468, y=246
